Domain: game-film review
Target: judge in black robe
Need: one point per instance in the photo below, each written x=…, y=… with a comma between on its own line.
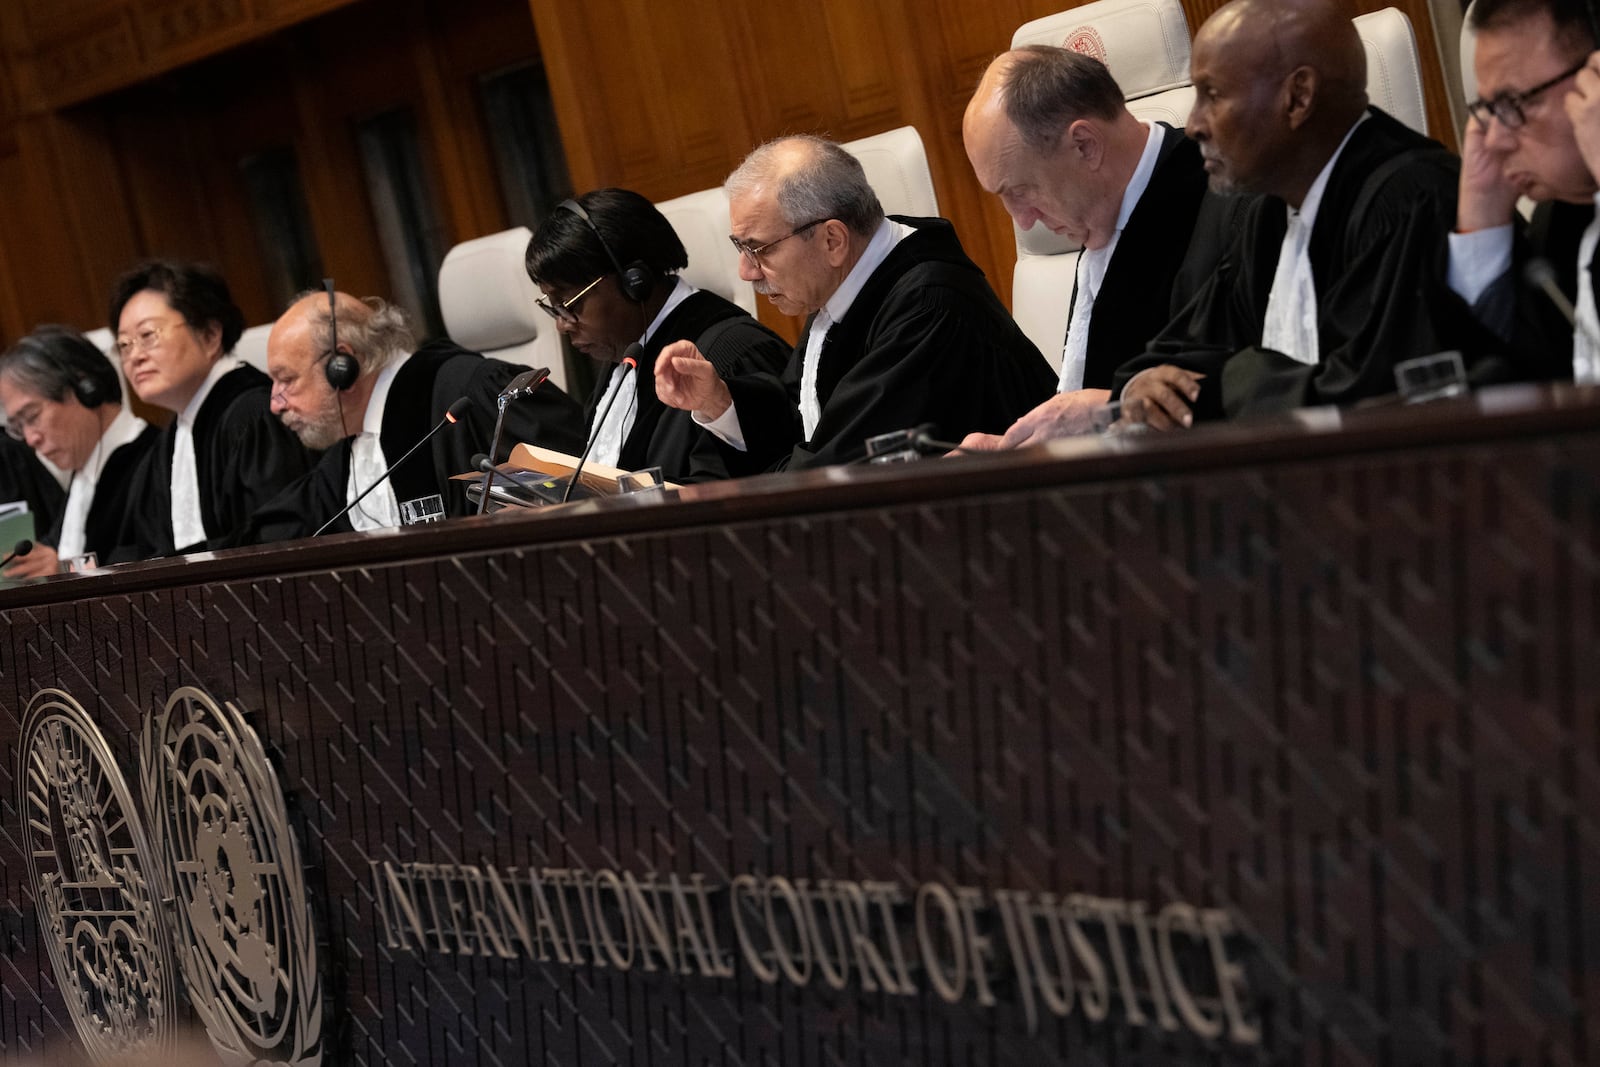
x=243, y=458
x=923, y=341
x=1389, y=200
x=1159, y=240
x=608, y=264
x=424, y=388
x=1518, y=145
x=1048, y=132
x=1281, y=111
x=174, y=322
x=667, y=438
x=67, y=401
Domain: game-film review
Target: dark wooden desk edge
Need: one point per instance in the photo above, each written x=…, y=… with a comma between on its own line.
x=1506, y=414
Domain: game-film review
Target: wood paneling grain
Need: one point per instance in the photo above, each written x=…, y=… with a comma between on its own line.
x=663, y=96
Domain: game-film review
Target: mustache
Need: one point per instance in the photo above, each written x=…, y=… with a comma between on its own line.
x=762, y=288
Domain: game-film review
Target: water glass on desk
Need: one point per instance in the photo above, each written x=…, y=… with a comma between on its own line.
x=428, y=508
x=640, y=481
x=1435, y=377
x=1119, y=417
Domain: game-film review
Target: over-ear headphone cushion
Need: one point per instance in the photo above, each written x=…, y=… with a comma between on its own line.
x=342, y=371
x=636, y=280
x=88, y=392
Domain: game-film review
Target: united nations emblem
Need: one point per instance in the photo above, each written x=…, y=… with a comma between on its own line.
x=1087, y=40
x=95, y=876
x=243, y=924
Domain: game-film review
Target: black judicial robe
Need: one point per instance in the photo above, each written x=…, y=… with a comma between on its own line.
x=1521, y=335
x=23, y=477
x=926, y=341
x=437, y=375
x=1375, y=265
x=664, y=437
x=105, y=528
x=1137, y=294
x=244, y=456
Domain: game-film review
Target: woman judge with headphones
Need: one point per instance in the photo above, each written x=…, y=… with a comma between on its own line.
x=608, y=265
x=62, y=398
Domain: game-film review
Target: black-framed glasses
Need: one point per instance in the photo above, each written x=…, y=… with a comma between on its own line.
x=1507, y=107
x=567, y=310
x=755, y=252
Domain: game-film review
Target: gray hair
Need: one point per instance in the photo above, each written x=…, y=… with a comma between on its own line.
x=1045, y=89
x=814, y=179
x=378, y=337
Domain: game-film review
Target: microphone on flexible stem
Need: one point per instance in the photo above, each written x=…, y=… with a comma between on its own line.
x=923, y=441
x=918, y=439
x=630, y=360
x=458, y=409
x=21, y=548
x=1541, y=275
x=518, y=387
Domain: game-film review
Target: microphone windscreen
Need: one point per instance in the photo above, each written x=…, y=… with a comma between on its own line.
x=458, y=409
x=631, y=354
x=23, y=547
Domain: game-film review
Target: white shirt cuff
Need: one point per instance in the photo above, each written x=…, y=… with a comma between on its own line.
x=725, y=426
x=1478, y=258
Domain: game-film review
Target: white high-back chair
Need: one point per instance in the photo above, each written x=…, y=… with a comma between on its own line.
x=897, y=168
x=1394, y=71
x=487, y=300
x=252, y=346
x=701, y=222
x=1145, y=44
x=106, y=341
x=1469, y=70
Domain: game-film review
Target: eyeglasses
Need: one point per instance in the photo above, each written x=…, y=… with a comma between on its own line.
x=566, y=310
x=147, y=338
x=18, y=425
x=755, y=252
x=1507, y=107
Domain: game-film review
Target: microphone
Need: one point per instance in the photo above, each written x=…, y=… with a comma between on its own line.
x=458, y=409
x=518, y=387
x=630, y=360
x=21, y=548
x=1541, y=275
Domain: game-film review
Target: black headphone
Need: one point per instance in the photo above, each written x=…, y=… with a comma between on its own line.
x=90, y=392
x=341, y=369
x=637, y=278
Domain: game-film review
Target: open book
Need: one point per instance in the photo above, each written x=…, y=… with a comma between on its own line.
x=599, y=479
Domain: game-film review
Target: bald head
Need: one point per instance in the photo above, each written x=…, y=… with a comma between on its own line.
x=1270, y=38
x=1279, y=83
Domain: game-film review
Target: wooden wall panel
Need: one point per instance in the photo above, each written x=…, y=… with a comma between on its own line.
x=839, y=68
x=664, y=96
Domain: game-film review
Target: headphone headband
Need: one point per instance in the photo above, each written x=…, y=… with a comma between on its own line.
x=637, y=278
